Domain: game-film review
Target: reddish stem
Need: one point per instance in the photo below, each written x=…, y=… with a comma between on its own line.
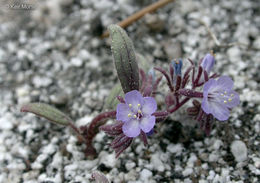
x=206, y=77
x=179, y=105
x=166, y=76
x=93, y=129
x=156, y=85
x=144, y=138
x=160, y=114
x=198, y=76
x=143, y=79
x=98, y=121
x=76, y=130
x=190, y=93
x=171, y=72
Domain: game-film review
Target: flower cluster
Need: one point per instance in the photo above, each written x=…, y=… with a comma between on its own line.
x=136, y=114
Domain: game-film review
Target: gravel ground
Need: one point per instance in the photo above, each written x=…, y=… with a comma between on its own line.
x=52, y=54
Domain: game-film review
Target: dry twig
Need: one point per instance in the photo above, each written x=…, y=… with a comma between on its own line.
x=140, y=14
x=217, y=42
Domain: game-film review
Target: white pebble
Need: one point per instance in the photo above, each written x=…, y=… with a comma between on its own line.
x=39, y=81
x=157, y=163
x=77, y=62
x=187, y=172
x=130, y=165
x=217, y=144
x=145, y=175
x=6, y=122
x=239, y=150
x=175, y=148
x=213, y=157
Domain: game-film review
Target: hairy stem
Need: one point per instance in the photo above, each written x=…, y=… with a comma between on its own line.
x=76, y=130
x=169, y=83
x=98, y=121
x=93, y=129
x=190, y=93
x=179, y=105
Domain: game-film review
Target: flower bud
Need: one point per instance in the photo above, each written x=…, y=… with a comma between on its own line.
x=177, y=65
x=208, y=62
x=192, y=111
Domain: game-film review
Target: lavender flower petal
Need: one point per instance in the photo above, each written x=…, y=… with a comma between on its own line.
x=122, y=112
x=131, y=128
x=207, y=86
x=149, y=106
x=134, y=98
x=224, y=83
x=219, y=111
x=147, y=123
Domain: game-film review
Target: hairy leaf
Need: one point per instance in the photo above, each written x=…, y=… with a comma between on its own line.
x=124, y=58
x=48, y=112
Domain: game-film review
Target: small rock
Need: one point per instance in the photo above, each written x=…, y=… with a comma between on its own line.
x=187, y=172
x=154, y=22
x=239, y=150
x=213, y=157
x=59, y=99
x=107, y=159
x=145, y=175
x=41, y=81
x=257, y=162
x=6, y=122
x=257, y=43
x=77, y=62
x=157, y=163
x=173, y=49
x=234, y=54
x=176, y=149
x=217, y=144
x=130, y=165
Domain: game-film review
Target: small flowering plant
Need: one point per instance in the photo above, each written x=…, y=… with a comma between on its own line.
x=135, y=110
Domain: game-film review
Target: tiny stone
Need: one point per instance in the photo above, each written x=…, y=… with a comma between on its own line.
x=39, y=81
x=217, y=144
x=77, y=62
x=239, y=150
x=187, y=172
x=176, y=149
x=145, y=175
x=213, y=157
x=130, y=165
x=157, y=163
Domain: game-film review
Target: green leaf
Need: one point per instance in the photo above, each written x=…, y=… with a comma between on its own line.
x=48, y=112
x=111, y=101
x=124, y=58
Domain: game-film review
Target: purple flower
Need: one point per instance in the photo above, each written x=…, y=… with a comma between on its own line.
x=219, y=98
x=136, y=113
x=208, y=62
